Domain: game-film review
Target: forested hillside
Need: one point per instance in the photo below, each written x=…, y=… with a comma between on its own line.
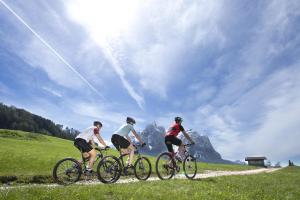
x=20, y=119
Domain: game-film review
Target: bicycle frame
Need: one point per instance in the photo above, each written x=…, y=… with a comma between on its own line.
x=136, y=152
x=186, y=153
x=99, y=155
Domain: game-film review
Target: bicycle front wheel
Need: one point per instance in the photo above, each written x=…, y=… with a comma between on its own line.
x=109, y=169
x=190, y=167
x=142, y=168
x=165, y=166
x=67, y=171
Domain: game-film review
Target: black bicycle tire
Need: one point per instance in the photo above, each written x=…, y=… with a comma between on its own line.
x=150, y=168
x=54, y=172
x=184, y=163
x=102, y=163
x=156, y=166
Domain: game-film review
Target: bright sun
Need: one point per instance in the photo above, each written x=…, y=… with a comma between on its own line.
x=104, y=19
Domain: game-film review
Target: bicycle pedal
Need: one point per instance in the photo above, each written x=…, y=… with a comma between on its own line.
x=129, y=171
x=177, y=168
x=89, y=173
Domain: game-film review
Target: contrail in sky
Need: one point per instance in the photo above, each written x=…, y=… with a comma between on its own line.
x=107, y=50
x=51, y=48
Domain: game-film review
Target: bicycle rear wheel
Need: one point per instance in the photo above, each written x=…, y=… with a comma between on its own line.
x=142, y=168
x=67, y=171
x=165, y=166
x=109, y=169
x=190, y=167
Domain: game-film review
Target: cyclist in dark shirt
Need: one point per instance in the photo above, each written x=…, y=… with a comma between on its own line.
x=171, y=137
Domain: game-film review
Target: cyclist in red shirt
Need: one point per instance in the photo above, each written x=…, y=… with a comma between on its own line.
x=171, y=137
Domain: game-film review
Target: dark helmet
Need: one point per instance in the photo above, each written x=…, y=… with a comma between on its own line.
x=130, y=120
x=97, y=123
x=178, y=119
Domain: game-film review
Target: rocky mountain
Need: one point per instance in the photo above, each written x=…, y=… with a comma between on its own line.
x=154, y=136
x=203, y=150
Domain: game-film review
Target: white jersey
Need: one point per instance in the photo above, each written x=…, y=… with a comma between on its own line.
x=124, y=130
x=87, y=134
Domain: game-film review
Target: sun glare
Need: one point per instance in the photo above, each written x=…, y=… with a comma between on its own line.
x=104, y=19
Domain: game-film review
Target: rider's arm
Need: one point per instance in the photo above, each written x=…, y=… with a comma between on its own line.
x=92, y=142
x=137, y=136
x=128, y=138
x=187, y=136
x=101, y=140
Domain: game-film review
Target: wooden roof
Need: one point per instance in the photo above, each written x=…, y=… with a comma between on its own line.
x=255, y=158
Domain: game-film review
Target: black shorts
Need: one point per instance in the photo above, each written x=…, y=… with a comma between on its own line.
x=82, y=145
x=119, y=142
x=170, y=140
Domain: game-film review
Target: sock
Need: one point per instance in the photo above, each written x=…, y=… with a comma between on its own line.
x=89, y=169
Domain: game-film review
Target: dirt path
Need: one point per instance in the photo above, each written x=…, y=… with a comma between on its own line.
x=206, y=174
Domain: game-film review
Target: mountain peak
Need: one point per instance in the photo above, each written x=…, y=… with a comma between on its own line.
x=203, y=150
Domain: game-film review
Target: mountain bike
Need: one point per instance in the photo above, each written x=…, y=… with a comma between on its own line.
x=167, y=165
x=110, y=168
x=69, y=170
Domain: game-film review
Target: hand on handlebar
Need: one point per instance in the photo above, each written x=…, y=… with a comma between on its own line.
x=101, y=149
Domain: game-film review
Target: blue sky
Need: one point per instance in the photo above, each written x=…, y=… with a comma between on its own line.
x=231, y=69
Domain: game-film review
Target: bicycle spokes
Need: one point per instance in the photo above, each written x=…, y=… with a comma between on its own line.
x=165, y=166
x=108, y=170
x=142, y=168
x=190, y=167
x=67, y=171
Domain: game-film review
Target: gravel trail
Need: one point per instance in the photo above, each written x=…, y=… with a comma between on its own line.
x=206, y=174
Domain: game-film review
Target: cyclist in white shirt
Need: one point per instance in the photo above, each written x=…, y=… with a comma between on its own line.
x=122, y=141
x=82, y=142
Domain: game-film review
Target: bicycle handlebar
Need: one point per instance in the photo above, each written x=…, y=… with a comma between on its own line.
x=188, y=145
x=139, y=145
x=102, y=149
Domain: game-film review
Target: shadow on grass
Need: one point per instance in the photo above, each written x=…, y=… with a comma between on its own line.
x=210, y=180
x=26, y=179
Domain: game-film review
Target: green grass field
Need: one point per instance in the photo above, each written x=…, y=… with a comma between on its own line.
x=31, y=157
x=279, y=185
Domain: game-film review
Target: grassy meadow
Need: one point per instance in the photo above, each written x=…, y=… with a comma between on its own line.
x=279, y=185
x=30, y=157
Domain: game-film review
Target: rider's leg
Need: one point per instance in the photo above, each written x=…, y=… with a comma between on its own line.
x=93, y=155
x=131, y=154
x=181, y=151
x=83, y=147
x=124, y=151
x=180, y=145
x=168, y=142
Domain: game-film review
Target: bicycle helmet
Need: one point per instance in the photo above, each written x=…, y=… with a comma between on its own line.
x=97, y=123
x=130, y=120
x=178, y=119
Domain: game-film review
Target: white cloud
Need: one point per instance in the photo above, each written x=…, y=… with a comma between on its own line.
x=37, y=55
x=200, y=94
x=149, y=49
x=257, y=106
x=278, y=133
x=266, y=43
x=263, y=121
x=104, y=21
x=247, y=102
x=163, y=33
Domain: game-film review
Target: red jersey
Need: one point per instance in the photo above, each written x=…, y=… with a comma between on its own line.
x=174, y=129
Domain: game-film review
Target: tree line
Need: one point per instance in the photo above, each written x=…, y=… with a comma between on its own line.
x=20, y=119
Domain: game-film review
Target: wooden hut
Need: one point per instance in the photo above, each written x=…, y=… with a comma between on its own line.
x=256, y=161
